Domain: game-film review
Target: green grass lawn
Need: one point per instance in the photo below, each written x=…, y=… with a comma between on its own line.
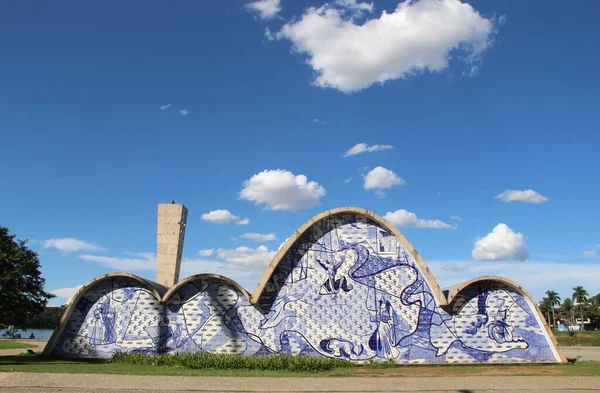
x=584, y=339
x=33, y=363
x=6, y=344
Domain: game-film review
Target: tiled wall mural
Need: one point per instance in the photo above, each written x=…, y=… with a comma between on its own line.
x=346, y=289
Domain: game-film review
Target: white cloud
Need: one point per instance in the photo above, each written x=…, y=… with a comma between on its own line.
x=527, y=196
x=500, y=244
x=380, y=194
x=282, y=190
x=589, y=253
x=245, y=221
x=206, y=253
x=282, y=244
x=381, y=177
x=456, y=218
x=418, y=35
x=184, y=112
x=364, y=148
x=266, y=9
x=257, y=237
x=242, y=264
x=140, y=261
x=404, y=218
x=220, y=216
x=535, y=276
x=68, y=244
x=318, y=121
x=348, y=180
x=246, y=257
x=269, y=34
x=164, y=107
x=192, y=266
x=355, y=7
x=66, y=293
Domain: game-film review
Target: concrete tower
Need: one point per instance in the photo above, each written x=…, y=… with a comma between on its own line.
x=169, y=242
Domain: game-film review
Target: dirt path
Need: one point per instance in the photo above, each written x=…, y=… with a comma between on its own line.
x=40, y=382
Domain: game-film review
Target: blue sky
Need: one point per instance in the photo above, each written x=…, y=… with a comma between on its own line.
x=108, y=109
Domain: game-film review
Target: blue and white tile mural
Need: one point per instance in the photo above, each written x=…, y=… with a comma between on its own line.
x=346, y=289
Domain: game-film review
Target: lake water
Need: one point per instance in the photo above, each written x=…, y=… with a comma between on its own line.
x=39, y=333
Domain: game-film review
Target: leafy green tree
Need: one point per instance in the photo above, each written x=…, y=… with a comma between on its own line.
x=580, y=296
x=553, y=300
x=566, y=311
x=22, y=294
x=546, y=306
x=592, y=311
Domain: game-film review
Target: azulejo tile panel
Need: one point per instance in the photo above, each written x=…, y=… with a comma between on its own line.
x=347, y=289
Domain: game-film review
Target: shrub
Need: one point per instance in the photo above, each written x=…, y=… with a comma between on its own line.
x=203, y=360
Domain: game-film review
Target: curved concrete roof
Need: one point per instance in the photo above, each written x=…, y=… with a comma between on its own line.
x=455, y=290
x=205, y=276
x=347, y=210
x=445, y=300
x=156, y=289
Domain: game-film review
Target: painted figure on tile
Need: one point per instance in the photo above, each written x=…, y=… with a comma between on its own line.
x=347, y=289
x=333, y=285
x=104, y=325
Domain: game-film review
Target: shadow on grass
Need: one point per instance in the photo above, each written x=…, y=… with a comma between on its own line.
x=25, y=359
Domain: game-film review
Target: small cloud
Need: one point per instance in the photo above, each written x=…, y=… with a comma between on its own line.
x=455, y=267
x=360, y=148
x=318, y=121
x=184, y=112
x=355, y=7
x=381, y=178
x=140, y=261
x=282, y=244
x=66, y=293
x=245, y=221
x=456, y=218
x=265, y=9
x=279, y=189
x=233, y=238
x=246, y=257
x=380, y=194
x=440, y=193
x=69, y=244
x=404, y=218
x=527, y=196
x=500, y=244
x=206, y=253
x=164, y=107
x=257, y=237
x=220, y=216
x=590, y=253
x=269, y=34
x=348, y=180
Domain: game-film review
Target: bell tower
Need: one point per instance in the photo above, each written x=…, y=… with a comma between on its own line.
x=170, y=237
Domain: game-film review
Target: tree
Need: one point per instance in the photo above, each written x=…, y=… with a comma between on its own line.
x=592, y=311
x=580, y=296
x=567, y=311
x=545, y=306
x=22, y=294
x=554, y=300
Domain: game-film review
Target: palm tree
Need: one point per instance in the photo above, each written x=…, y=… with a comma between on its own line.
x=580, y=295
x=554, y=300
